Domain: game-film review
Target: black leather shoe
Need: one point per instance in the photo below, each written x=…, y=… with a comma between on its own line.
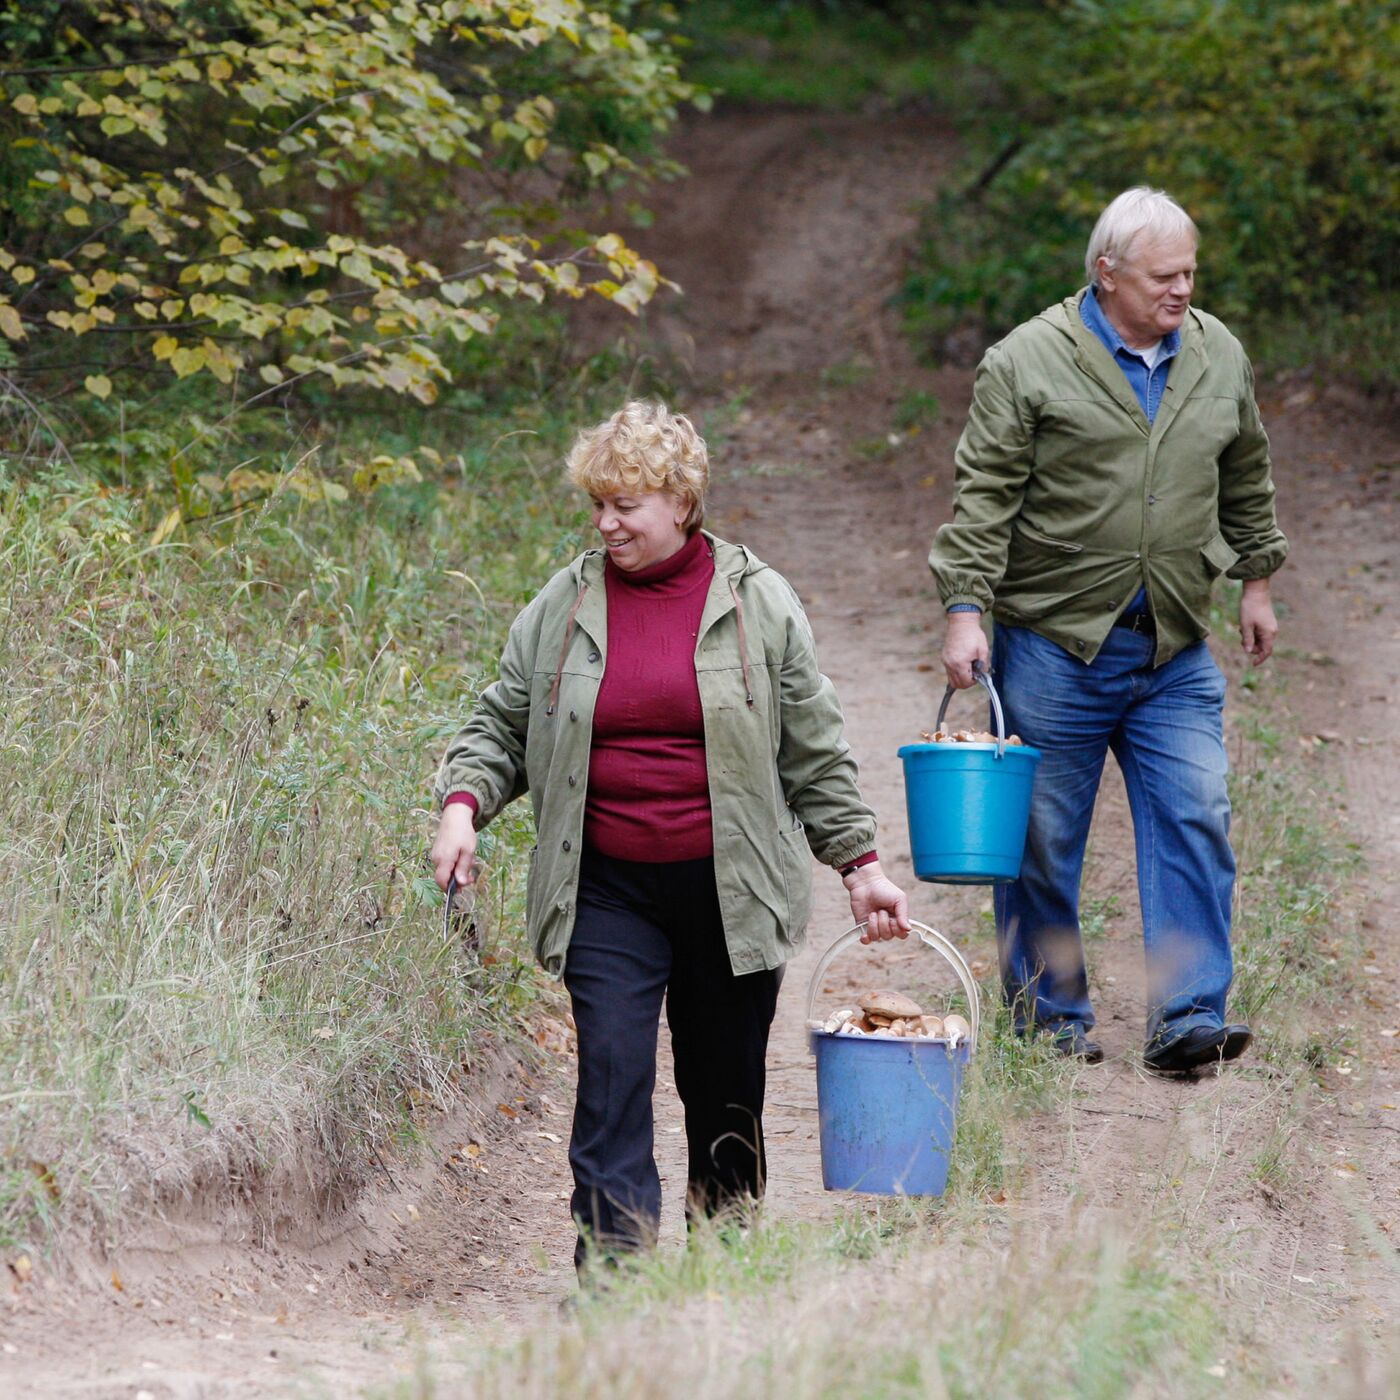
x=1201, y=1045
x=1071, y=1042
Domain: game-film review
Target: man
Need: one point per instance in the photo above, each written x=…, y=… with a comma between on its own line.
x=1112, y=467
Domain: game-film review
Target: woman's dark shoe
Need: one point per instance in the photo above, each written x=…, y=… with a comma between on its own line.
x=1201, y=1045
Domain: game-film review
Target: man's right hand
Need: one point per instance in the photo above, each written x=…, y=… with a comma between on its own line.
x=963, y=643
x=454, y=851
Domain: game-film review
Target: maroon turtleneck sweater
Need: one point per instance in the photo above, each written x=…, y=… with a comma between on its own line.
x=648, y=787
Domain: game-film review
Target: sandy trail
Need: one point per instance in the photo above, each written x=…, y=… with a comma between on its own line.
x=787, y=239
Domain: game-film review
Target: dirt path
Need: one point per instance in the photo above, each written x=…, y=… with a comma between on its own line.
x=787, y=240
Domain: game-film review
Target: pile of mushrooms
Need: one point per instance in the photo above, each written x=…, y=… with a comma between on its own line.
x=890, y=1015
x=967, y=736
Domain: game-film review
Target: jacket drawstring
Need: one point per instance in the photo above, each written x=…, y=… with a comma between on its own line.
x=743, y=646
x=564, y=650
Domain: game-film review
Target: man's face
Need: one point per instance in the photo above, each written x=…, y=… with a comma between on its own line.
x=1147, y=294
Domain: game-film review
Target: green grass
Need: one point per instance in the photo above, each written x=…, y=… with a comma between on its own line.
x=827, y=57
x=220, y=944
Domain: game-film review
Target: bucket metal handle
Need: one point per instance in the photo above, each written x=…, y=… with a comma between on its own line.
x=931, y=938
x=983, y=677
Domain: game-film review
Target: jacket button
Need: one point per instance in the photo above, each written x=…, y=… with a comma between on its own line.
x=1110, y=606
x=567, y=846
x=592, y=655
x=1079, y=646
x=1152, y=500
x=573, y=714
x=573, y=781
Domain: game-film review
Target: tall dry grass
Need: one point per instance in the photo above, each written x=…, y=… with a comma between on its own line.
x=220, y=947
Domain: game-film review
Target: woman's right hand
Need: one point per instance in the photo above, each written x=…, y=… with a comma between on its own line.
x=454, y=851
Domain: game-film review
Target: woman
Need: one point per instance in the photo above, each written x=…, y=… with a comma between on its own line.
x=660, y=701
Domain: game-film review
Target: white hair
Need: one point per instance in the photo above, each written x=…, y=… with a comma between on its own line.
x=1136, y=211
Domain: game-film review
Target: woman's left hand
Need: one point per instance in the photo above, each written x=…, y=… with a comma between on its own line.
x=878, y=903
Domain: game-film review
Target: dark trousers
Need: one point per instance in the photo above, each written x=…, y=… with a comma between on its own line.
x=643, y=931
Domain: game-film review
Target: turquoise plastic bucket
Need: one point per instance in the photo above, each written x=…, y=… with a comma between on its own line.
x=888, y=1108
x=969, y=804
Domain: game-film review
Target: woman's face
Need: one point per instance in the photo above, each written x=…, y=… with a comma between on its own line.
x=640, y=529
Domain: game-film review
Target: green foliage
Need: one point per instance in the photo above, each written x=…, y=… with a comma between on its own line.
x=826, y=55
x=1274, y=124
x=231, y=190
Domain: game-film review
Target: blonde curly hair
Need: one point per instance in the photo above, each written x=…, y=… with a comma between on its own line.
x=643, y=447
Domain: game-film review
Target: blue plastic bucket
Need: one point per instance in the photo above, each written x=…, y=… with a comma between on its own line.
x=888, y=1108
x=969, y=804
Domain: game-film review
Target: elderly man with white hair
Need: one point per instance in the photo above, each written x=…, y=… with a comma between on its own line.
x=1112, y=467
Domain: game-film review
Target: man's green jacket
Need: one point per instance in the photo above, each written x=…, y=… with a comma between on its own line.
x=781, y=775
x=1067, y=500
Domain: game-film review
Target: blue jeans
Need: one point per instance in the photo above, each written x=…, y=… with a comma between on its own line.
x=1164, y=727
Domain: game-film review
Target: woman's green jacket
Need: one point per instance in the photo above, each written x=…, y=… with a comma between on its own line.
x=782, y=778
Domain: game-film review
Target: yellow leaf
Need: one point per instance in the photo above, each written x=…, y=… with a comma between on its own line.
x=187, y=360
x=26, y=103
x=270, y=374
x=10, y=323
x=167, y=527
x=164, y=347
x=98, y=385
x=76, y=215
x=220, y=69
x=23, y=275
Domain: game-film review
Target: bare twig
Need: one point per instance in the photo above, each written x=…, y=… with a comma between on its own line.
x=9, y=387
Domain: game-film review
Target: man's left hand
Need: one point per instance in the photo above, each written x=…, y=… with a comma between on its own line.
x=878, y=903
x=1258, y=625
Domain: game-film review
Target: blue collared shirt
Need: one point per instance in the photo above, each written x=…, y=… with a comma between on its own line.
x=1147, y=384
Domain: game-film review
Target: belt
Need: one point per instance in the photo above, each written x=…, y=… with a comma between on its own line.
x=1138, y=622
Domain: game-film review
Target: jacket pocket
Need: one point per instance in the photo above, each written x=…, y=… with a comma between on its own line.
x=796, y=860
x=1039, y=537
x=1218, y=555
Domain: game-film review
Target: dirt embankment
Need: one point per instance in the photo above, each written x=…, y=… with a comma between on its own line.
x=787, y=239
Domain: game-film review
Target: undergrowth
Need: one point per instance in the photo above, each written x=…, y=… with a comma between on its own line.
x=830, y=57
x=221, y=949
